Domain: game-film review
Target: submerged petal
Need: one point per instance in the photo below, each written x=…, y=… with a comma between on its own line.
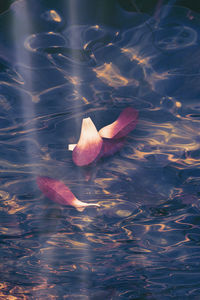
x=55, y=190
x=58, y=192
x=111, y=146
x=89, y=144
x=125, y=123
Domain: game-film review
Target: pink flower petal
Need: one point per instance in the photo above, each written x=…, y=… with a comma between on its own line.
x=89, y=144
x=111, y=146
x=58, y=192
x=125, y=123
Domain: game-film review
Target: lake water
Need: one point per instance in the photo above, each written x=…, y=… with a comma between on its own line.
x=61, y=62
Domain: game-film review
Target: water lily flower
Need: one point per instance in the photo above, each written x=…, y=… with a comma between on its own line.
x=124, y=124
x=58, y=192
x=89, y=145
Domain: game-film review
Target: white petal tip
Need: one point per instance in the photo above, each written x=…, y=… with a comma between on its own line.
x=71, y=147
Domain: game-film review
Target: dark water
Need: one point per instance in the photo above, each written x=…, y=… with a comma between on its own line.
x=61, y=62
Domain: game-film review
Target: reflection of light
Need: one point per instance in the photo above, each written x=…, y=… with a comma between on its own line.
x=178, y=104
x=128, y=232
x=55, y=16
x=23, y=58
x=85, y=100
x=110, y=74
x=75, y=41
x=123, y=212
x=95, y=27
x=133, y=55
x=85, y=45
x=52, y=16
x=23, y=62
x=27, y=42
x=74, y=80
x=168, y=140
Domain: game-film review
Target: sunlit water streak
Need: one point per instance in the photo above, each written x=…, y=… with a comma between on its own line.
x=143, y=243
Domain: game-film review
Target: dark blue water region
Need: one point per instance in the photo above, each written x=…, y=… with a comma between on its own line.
x=61, y=62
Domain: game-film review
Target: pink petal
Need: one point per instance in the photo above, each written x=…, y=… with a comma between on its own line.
x=55, y=190
x=125, y=123
x=89, y=144
x=111, y=146
x=58, y=192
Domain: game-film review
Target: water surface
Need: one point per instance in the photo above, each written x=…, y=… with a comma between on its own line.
x=58, y=68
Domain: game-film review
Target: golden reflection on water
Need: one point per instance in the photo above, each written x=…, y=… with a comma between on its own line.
x=166, y=139
x=55, y=16
x=128, y=232
x=133, y=55
x=11, y=205
x=85, y=100
x=178, y=104
x=14, y=206
x=16, y=290
x=111, y=75
x=169, y=248
x=94, y=239
x=4, y=195
x=75, y=80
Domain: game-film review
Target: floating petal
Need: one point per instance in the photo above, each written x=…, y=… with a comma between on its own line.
x=125, y=123
x=58, y=192
x=109, y=147
x=89, y=144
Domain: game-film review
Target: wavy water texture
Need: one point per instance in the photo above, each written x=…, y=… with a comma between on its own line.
x=143, y=240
